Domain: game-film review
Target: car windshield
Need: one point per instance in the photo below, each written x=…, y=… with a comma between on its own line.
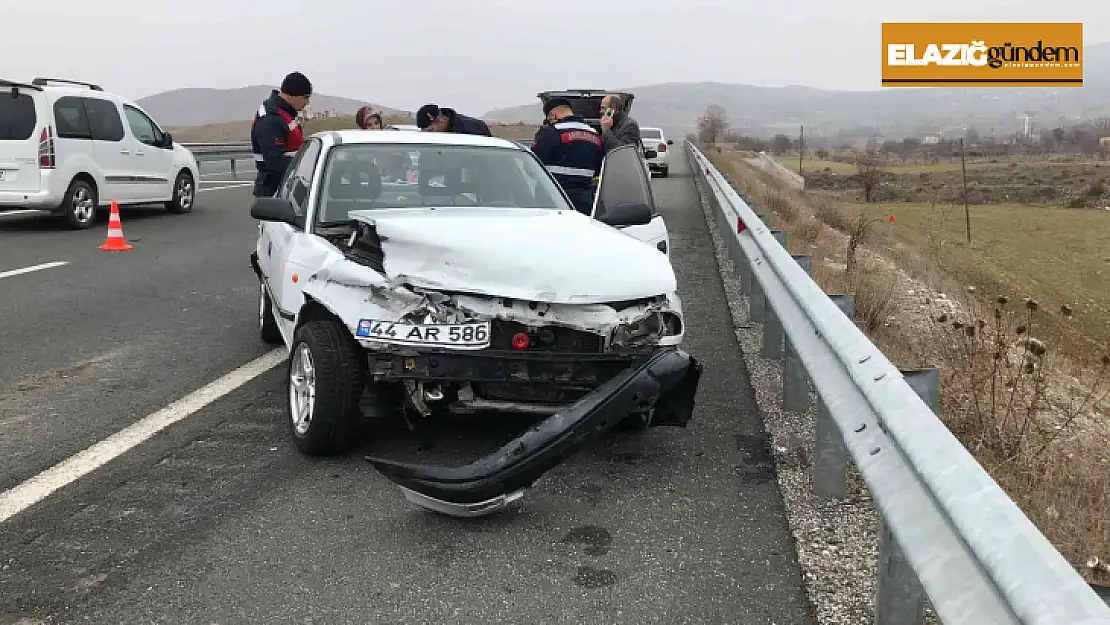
x=376, y=176
x=651, y=133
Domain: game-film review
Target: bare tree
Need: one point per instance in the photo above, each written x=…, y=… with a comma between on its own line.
x=870, y=172
x=713, y=124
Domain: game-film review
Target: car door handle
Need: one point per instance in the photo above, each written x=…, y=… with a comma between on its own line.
x=138, y=152
x=125, y=151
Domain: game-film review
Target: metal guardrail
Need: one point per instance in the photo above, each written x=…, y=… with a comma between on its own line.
x=948, y=531
x=211, y=152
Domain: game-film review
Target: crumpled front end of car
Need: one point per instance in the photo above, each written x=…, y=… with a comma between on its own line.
x=584, y=367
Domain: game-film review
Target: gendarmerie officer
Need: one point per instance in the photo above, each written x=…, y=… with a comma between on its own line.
x=276, y=135
x=571, y=150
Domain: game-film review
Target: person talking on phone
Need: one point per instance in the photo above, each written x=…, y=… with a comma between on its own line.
x=571, y=150
x=617, y=128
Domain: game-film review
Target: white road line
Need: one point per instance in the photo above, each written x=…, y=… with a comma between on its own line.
x=230, y=186
x=34, y=490
x=18, y=272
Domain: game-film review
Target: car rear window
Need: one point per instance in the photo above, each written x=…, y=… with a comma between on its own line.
x=17, y=116
x=650, y=133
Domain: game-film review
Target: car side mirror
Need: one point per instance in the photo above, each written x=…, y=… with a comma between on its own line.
x=167, y=140
x=276, y=209
x=670, y=141
x=627, y=214
x=650, y=153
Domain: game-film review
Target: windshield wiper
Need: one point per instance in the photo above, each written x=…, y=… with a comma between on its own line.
x=350, y=223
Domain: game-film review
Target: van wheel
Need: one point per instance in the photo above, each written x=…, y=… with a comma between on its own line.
x=184, y=194
x=79, y=206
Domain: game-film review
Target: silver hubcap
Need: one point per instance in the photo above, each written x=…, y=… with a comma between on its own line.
x=302, y=389
x=83, y=208
x=185, y=192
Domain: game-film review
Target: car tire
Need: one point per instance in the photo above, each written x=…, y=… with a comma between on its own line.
x=663, y=172
x=80, y=204
x=267, y=322
x=328, y=389
x=184, y=193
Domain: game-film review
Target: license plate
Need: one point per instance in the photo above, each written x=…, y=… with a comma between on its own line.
x=2, y=172
x=474, y=335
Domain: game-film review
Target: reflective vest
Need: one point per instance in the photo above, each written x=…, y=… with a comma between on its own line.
x=295, y=137
x=579, y=154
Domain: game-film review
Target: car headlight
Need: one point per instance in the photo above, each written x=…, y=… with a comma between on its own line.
x=646, y=330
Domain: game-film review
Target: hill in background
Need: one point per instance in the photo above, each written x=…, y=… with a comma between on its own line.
x=199, y=106
x=239, y=131
x=764, y=111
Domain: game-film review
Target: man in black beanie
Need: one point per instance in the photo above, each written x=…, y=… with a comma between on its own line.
x=276, y=134
x=432, y=118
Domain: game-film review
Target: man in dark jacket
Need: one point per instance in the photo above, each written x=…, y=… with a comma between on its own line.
x=618, y=129
x=276, y=134
x=571, y=150
x=432, y=118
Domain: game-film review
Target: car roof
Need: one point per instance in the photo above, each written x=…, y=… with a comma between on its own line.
x=415, y=136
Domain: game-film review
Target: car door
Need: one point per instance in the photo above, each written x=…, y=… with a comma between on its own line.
x=153, y=161
x=624, y=179
x=295, y=252
x=112, y=148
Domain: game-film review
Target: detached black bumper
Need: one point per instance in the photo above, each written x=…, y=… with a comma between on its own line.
x=668, y=380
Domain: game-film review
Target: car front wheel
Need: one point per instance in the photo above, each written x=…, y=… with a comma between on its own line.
x=327, y=373
x=184, y=193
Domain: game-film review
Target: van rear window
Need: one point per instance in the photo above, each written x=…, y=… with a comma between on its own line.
x=17, y=116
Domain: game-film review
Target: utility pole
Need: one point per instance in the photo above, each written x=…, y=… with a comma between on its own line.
x=801, y=147
x=967, y=211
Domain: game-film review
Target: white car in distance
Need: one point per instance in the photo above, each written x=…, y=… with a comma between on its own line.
x=69, y=147
x=478, y=288
x=655, y=140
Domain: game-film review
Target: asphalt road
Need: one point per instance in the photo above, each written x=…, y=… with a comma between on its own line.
x=216, y=519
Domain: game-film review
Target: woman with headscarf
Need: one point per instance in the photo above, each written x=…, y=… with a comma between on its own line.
x=367, y=119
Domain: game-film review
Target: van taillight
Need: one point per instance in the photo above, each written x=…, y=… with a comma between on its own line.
x=662, y=147
x=46, y=148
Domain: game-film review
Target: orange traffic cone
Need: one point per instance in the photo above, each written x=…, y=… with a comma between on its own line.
x=115, y=241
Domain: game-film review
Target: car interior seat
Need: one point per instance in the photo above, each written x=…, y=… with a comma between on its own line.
x=353, y=184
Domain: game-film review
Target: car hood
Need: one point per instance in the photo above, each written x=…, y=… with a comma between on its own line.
x=542, y=255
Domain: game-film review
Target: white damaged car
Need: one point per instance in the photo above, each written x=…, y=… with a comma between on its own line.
x=476, y=288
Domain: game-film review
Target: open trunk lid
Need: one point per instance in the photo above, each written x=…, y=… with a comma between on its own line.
x=23, y=146
x=587, y=102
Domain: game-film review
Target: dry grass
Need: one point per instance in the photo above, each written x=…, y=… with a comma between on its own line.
x=1034, y=418
x=241, y=130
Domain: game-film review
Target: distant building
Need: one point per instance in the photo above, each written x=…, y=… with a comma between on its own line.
x=931, y=139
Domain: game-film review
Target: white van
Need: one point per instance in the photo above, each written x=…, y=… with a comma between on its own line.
x=68, y=150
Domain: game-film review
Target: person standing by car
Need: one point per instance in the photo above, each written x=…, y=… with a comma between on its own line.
x=367, y=119
x=617, y=128
x=276, y=134
x=432, y=118
x=571, y=150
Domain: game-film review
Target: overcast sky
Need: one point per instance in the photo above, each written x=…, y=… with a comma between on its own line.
x=478, y=54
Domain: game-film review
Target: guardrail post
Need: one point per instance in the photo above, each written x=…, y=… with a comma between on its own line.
x=772, y=327
x=795, y=384
x=900, y=598
x=830, y=457
x=233, y=174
